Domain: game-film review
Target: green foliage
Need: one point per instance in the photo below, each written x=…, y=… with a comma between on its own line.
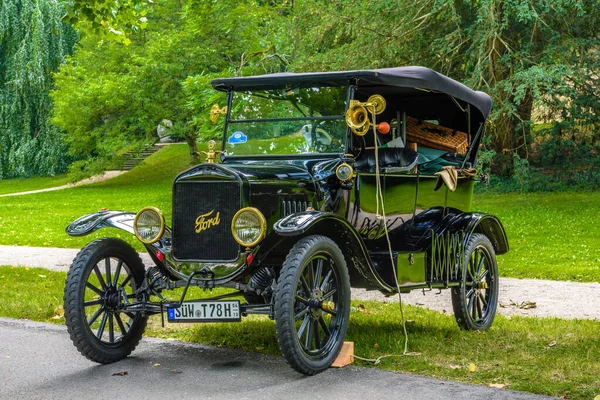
x=109, y=97
x=534, y=55
x=113, y=20
x=33, y=42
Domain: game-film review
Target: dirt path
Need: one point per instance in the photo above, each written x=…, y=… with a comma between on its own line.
x=93, y=179
x=527, y=297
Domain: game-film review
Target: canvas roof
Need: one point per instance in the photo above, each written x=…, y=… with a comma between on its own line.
x=399, y=79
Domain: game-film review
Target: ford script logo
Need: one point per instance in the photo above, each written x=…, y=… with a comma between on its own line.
x=205, y=221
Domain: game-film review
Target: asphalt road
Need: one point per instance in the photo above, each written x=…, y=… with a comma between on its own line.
x=38, y=361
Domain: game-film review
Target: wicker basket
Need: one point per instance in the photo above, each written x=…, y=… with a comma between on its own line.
x=435, y=136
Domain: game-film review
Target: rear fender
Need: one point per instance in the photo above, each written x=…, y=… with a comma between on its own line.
x=311, y=222
x=486, y=224
x=450, y=220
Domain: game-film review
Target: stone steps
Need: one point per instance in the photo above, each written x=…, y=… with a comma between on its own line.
x=131, y=160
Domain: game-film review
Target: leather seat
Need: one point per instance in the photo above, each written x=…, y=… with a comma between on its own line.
x=391, y=160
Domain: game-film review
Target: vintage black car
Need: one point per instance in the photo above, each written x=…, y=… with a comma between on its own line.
x=326, y=181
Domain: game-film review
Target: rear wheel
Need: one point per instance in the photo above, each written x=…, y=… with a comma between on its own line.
x=104, y=275
x=312, y=304
x=476, y=299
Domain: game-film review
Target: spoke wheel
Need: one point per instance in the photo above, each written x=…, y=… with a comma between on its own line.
x=104, y=275
x=476, y=299
x=312, y=304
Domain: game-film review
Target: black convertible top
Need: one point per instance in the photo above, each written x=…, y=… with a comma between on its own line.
x=420, y=78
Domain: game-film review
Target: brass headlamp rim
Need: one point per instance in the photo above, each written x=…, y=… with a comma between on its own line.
x=263, y=226
x=162, y=225
x=344, y=164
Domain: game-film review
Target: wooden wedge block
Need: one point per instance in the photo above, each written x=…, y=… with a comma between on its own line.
x=346, y=356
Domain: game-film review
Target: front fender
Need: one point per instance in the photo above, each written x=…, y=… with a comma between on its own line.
x=102, y=219
x=337, y=228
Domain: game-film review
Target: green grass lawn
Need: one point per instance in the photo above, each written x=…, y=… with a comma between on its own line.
x=547, y=356
x=40, y=219
x=551, y=235
x=27, y=184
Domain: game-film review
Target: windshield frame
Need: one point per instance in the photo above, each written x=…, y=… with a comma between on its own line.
x=347, y=137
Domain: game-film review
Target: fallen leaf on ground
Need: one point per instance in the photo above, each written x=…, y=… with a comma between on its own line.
x=524, y=305
x=527, y=305
x=376, y=346
x=157, y=365
x=552, y=343
x=497, y=385
x=42, y=276
x=122, y=373
x=472, y=367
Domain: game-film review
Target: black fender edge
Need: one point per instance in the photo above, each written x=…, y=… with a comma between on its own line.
x=490, y=226
x=474, y=222
x=92, y=222
x=343, y=233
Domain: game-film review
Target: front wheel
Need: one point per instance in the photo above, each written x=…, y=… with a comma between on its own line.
x=476, y=298
x=312, y=304
x=104, y=276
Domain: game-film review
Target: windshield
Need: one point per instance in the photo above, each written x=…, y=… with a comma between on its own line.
x=294, y=121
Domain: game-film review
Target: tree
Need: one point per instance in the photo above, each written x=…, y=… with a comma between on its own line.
x=33, y=42
x=110, y=98
x=525, y=54
x=114, y=20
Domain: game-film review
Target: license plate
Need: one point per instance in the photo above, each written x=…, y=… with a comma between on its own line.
x=206, y=311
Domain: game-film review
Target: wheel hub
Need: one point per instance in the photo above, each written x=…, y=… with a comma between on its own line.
x=111, y=299
x=315, y=301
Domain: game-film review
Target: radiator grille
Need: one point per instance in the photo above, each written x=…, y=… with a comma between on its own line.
x=208, y=207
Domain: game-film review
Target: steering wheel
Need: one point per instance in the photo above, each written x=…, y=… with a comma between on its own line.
x=322, y=138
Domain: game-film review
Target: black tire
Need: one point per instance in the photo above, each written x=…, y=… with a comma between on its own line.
x=310, y=334
x=101, y=273
x=476, y=299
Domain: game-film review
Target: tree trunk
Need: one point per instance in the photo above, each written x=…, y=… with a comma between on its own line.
x=190, y=138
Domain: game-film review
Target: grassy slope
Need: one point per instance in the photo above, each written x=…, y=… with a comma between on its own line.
x=40, y=219
x=548, y=356
x=552, y=236
x=27, y=184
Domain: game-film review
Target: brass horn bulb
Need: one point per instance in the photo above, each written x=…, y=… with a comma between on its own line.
x=383, y=128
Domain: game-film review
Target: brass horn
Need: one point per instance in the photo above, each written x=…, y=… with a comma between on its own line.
x=357, y=116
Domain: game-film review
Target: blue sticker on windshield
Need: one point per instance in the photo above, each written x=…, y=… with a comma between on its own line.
x=237, y=137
